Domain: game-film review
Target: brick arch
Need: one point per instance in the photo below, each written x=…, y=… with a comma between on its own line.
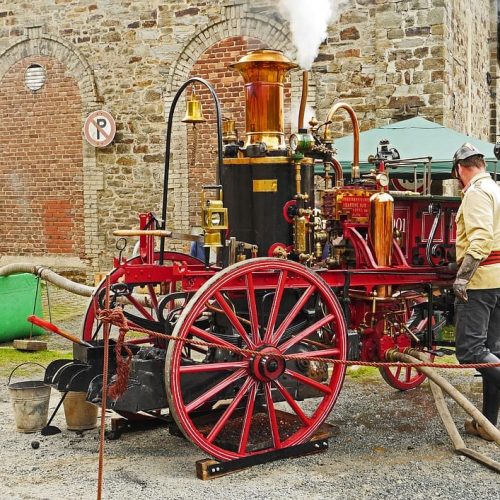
x=271, y=34
x=54, y=164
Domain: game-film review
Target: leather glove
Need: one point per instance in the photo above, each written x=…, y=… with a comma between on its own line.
x=467, y=269
x=460, y=289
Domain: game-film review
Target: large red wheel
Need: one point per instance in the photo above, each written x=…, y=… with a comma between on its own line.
x=406, y=378
x=235, y=405
x=92, y=327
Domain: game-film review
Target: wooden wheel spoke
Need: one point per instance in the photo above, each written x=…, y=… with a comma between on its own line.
x=140, y=308
x=229, y=411
x=233, y=318
x=213, y=391
x=278, y=294
x=212, y=367
x=308, y=381
x=398, y=372
x=210, y=338
x=273, y=421
x=252, y=309
x=292, y=314
x=408, y=374
x=293, y=404
x=154, y=299
x=305, y=333
x=247, y=419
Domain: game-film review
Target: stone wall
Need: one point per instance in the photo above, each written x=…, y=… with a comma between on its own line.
x=466, y=92
x=389, y=59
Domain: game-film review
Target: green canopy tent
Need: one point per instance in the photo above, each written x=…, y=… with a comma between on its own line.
x=415, y=137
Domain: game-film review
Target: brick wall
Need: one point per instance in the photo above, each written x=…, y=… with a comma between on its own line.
x=41, y=194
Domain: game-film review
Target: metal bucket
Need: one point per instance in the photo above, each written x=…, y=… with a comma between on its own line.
x=80, y=414
x=30, y=402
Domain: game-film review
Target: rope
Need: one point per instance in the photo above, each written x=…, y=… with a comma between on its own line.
x=100, y=468
x=117, y=318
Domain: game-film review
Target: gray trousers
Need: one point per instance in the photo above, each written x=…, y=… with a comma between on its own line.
x=478, y=341
x=477, y=325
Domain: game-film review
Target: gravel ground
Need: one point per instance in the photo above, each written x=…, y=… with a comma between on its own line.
x=387, y=444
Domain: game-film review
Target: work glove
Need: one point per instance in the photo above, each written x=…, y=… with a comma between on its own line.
x=460, y=289
x=467, y=269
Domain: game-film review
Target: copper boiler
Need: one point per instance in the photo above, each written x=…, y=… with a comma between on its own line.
x=264, y=73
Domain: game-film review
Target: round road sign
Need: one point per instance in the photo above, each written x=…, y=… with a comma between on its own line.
x=99, y=128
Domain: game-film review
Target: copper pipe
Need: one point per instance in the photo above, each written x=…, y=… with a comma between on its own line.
x=355, y=128
x=339, y=173
x=303, y=99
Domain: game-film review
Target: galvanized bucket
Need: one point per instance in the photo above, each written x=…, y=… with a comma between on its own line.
x=80, y=414
x=30, y=402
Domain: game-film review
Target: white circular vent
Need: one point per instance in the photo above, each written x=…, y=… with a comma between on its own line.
x=34, y=77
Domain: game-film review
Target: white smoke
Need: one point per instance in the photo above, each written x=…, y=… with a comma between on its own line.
x=293, y=117
x=309, y=21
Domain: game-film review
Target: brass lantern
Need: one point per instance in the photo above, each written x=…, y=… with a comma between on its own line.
x=213, y=220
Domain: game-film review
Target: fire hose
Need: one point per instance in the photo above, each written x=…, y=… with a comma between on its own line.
x=437, y=385
x=47, y=275
x=61, y=282
x=411, y=357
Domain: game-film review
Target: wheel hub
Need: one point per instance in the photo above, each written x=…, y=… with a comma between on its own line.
x=267, y=367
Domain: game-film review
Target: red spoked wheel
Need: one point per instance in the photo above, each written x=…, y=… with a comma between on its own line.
x=401, y=378
x=234, y=404
x=406, y=378
x=92, y=327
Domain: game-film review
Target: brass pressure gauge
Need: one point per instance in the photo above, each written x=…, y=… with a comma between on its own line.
x=382, y=179
x=301, y=142
x=294, y=142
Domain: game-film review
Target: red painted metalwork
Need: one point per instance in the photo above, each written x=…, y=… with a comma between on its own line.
x=263, y=374
x=358, y=271
x=91, y=324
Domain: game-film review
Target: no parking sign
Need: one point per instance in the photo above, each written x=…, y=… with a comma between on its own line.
x=99, y=128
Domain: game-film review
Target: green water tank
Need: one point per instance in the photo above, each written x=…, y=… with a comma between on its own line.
x=18, y=294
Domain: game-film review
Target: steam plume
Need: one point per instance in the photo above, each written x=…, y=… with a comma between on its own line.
x=308, y=24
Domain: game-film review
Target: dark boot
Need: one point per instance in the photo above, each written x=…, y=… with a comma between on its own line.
x=491, y=400
x=492, y=374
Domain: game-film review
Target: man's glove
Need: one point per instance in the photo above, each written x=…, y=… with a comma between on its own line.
x=467, y=269
x=460, y=289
